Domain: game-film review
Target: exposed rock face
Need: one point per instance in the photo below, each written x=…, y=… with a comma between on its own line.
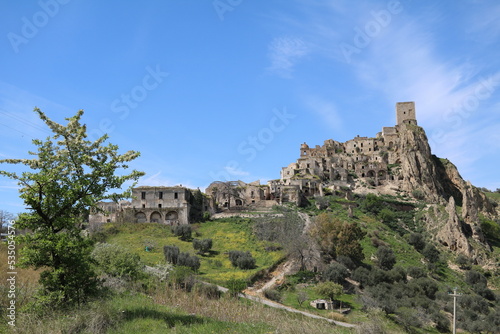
x=451, y=234
x=417, y=165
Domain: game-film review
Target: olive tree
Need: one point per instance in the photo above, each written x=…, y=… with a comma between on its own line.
x=67, y=176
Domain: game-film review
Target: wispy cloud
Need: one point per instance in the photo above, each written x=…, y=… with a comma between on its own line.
x=326, y=110
x=235, y=171
x=159, y=180
x=284, y=53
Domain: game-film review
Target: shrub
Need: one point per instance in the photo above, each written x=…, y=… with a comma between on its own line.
x=182, y=231
x=397, y=274
x=335, y=272
x=475, y=278
x=385, y=258
x=431, y=253
x=273, y=294
x=190, y=261
x=346, y=261
x=210, y=291
x=202, y=245
x=361, y=275
x=418, y=194
x=235, y=286
x=386, y=215
x=416, y=272
x=116, y=261
x=417, y=241
x=463, y=262
x=171, y=254
x=372, y=203
x=182, y=277
x=242, y=260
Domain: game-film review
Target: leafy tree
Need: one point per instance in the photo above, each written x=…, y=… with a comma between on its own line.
x=235, y=286
x=188, y=260
x=463, y=262
x=182, y=277
x=67, y=177
x=337, y=238
x=329, y=290
x=417, y=241
x=336, y=273
x=385, y=258
x=242, y=260
x=386, y=215
x=372, y=204
x=171, y=254
x=182, y=231
x=202, y=245
x=431, y=253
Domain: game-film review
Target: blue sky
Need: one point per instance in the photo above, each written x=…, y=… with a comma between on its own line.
x=229, y=89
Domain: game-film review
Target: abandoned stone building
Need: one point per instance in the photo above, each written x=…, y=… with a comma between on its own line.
x=167, y=205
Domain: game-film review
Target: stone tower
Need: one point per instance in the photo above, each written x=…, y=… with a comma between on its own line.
x=405, y=113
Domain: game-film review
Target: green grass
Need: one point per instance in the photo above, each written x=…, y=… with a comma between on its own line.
x=227, y=234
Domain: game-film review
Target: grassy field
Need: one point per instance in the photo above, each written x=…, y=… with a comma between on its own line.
x=227, y=235
x=170, y=311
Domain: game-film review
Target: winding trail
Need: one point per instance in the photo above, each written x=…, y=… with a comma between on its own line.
x=287, y=308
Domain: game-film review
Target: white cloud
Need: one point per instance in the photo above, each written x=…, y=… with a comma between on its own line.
x=284, y=53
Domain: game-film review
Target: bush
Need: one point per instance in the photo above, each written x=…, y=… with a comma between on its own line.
x=182, y=231
x=463, y=262
x=210, y=291
x=385, y=258
x=117, y=261
x=236, y=286
x=386, y=215
x=346, y=261
x=182, y=277
x=202, y=245
x=242, y=260
x=190, y=261
x=417, y=241
x=431, y=253
x=273, y=295
x=171, y=254
x=335, y=272
x=372, y=203
x=418, y=194
x=475, y=278
x=416, y=272
x=361, y=275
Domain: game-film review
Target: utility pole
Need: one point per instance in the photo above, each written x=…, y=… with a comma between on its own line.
x=455, y=295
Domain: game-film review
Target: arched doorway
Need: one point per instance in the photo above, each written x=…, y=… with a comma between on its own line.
x=155, y=217
x=140, y=217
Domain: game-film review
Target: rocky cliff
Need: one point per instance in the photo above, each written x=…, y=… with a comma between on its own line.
x=440, y=183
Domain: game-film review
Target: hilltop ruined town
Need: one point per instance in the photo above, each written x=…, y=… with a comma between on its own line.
x=362, y=162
